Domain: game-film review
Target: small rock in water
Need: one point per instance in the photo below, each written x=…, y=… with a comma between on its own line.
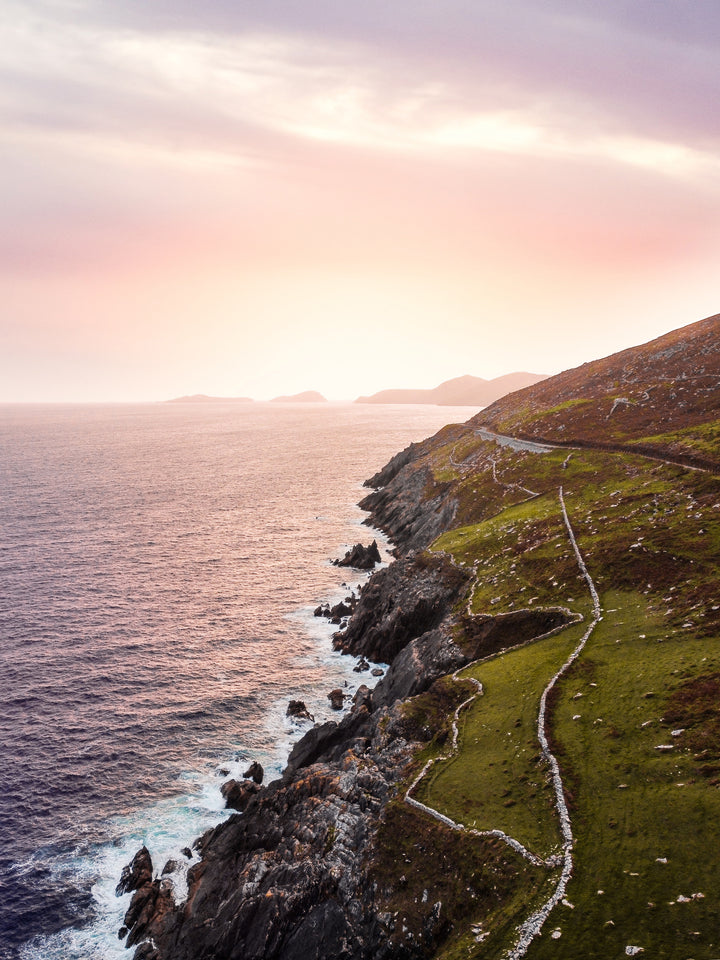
x=360, y=557
x=297, y=709
x=254, y=772
x=336, y=698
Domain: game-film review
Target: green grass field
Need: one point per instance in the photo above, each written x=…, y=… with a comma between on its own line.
x=634, y=724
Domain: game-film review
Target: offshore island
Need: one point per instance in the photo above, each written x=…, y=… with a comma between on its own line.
x=538, y=772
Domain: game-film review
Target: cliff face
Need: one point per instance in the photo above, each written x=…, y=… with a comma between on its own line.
x=288, y=877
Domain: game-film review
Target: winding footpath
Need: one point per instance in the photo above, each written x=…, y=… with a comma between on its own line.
x=532, y=926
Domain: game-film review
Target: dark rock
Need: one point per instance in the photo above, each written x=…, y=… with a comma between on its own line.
x=297, y=709
x=336, y=698
x=255, y=772
x=170, y=867
x=340, y=610
x=363, y=698
x=187, y=852
x=136, y=873
x=360, y=557
x=377, y=672
x=400, y=603
x=146, y=951
x=361, y=666
x=143, y=900
x=238, y=793
x=402, y=511
x=122, y=933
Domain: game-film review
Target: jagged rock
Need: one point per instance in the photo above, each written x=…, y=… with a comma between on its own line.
x=136, y=873
x=360, y=557
x=363, y=698
x=400, y=603
x=340, y=610
x=336, y=698
x=143, y=900
x=361, y=666
x=238, y=793
x=255, y=772
x=298, y=710
x=170, y=867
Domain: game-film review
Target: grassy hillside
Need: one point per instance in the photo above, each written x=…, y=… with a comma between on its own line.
x=634, y=722
x=654, y=394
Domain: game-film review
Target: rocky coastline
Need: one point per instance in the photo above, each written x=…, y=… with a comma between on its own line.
x=292, y=876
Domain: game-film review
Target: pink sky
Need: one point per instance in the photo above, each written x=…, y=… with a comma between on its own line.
x=266, y=197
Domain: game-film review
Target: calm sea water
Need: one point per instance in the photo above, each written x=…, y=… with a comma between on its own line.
x=159, y=565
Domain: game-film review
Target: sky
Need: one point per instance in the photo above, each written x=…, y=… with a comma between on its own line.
x=260, y=197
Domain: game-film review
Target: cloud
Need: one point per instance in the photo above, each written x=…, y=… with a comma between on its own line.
x=650, y=64
x=176, y=159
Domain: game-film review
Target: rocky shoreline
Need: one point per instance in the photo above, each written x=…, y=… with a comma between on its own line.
x=291, y=877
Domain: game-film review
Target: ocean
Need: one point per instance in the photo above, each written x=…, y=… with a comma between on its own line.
x=159, y=568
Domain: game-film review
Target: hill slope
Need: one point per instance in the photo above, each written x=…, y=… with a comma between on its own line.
x=661, y=393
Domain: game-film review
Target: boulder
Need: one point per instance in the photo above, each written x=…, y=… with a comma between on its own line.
x=360, y=557
x=297, y=709
x=238, y=793
x=336, y=698
x=254, y=772
x=340, y=610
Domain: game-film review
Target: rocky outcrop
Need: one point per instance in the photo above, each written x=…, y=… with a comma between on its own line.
x=298, y=710
x=400, y=603
x=255, y=772
x=401, y=509
x=360, y=557
x=287, y=878
x=238, y=793
x=136, y=873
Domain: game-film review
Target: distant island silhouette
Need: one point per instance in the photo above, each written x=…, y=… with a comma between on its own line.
x=464, y=391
